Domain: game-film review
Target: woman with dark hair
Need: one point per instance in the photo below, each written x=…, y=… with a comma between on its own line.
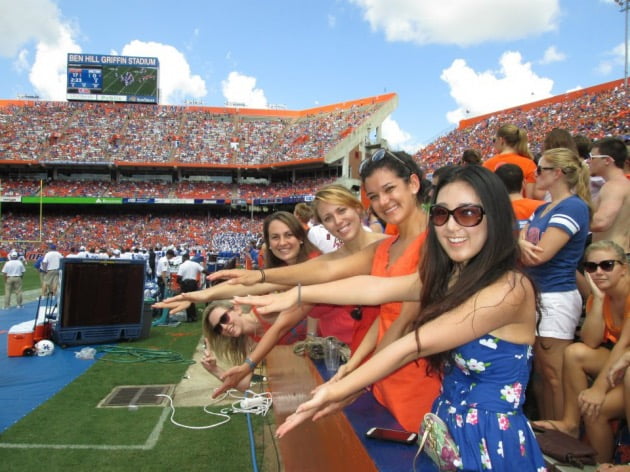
x=476, y=325
x=471, y=157
x=393, y=186
x=286, y=244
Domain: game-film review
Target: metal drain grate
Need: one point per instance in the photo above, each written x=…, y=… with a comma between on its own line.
x=138, y=395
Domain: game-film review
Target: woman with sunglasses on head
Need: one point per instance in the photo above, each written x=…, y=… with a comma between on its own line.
x=552, y=245
x=512, y=148
x=476, y=325
x=392, y=183
x=605, y=337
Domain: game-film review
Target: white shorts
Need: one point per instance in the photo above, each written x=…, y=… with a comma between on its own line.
x=561, y=313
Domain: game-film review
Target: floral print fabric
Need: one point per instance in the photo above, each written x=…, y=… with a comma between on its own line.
x=481, y=402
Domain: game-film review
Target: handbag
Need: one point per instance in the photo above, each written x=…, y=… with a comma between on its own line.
x=438, y=444
x=564, y=448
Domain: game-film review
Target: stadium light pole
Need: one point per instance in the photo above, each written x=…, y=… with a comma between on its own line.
x=625, y=6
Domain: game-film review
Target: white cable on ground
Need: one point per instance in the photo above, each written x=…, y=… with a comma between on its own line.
x=256, y=403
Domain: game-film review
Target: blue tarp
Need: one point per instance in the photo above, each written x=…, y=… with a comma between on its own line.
x=27, y=382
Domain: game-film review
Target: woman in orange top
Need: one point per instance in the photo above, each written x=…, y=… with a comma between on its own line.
x=511, y=145
x=393, y=185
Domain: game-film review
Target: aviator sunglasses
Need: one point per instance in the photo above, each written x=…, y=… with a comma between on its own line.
x=378, y=156
x=225, y=319
x=607, y=265
x=464, y=215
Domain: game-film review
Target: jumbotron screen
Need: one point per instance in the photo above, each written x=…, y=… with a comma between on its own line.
x=97, y=77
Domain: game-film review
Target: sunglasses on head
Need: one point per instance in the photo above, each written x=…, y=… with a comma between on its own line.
x=464, y=215
x=607, y=266
x=379, y=156
x=225, y=319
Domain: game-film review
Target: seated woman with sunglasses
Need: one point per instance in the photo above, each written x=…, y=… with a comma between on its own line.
x=552, y=245
x=605, y=338
x=392, y=183
x=286, y=244
x=231, y=333
x=476, y=325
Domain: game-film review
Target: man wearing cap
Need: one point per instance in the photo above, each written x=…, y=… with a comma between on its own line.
x=13, y=271
x=51, y=265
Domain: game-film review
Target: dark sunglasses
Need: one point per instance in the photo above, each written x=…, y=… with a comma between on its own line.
x=225, y=319
x=464, y=215
x=379, y=156
x=539, y=170
x=357, y=313
x=607, y=266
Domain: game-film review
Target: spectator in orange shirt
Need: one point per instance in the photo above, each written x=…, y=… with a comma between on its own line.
x=512, y=147
x=512, y=177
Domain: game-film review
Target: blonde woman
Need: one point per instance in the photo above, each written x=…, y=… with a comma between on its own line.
x=511, y=145
x=552, y=245
x=605, y=337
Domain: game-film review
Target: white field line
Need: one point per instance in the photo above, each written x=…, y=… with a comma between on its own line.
x=149, y=443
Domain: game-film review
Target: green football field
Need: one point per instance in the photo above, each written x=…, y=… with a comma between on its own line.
x=144, y=81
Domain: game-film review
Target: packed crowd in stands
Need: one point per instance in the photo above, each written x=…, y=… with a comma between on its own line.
x=594, y=115
x=106, y=133
x=162, y=189
x=215, y=234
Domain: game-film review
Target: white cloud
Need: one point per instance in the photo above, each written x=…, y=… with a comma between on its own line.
x=21, y=62
x=458, y=22
x=552, y=55
x=332, y=21
x=397, y=138
x=477, y=93
x=26, y=21
x=239, y=88
x=48, y=73
x=615, y=58
x=176, y=79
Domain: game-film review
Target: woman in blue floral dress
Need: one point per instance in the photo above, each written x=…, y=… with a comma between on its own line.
x=476, y=325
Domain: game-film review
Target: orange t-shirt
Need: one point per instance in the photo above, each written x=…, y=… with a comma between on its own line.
x=408, y=393
x=527, y=165
x=611, y=330
x=523, y=209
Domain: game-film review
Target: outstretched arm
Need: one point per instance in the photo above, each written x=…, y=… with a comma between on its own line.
x=216, y=292
x=317, y=270
x=283, y=323
x=359, y=290
x=505, y=302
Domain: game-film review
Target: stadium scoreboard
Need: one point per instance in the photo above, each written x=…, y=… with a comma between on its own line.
x=102, y=78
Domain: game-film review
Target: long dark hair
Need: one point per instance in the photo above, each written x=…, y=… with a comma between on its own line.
x=401, y=164
x=306, y=248
x=500, y=253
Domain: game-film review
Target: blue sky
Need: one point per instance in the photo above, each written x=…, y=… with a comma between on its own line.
x=446, y=59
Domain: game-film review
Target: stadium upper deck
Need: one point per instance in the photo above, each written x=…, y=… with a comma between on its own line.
x=594, y=112
x=146, y=135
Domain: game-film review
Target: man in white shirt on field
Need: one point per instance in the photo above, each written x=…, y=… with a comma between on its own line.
x=13, y=271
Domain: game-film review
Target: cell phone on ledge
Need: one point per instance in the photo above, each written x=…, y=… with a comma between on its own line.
x=394, y=435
